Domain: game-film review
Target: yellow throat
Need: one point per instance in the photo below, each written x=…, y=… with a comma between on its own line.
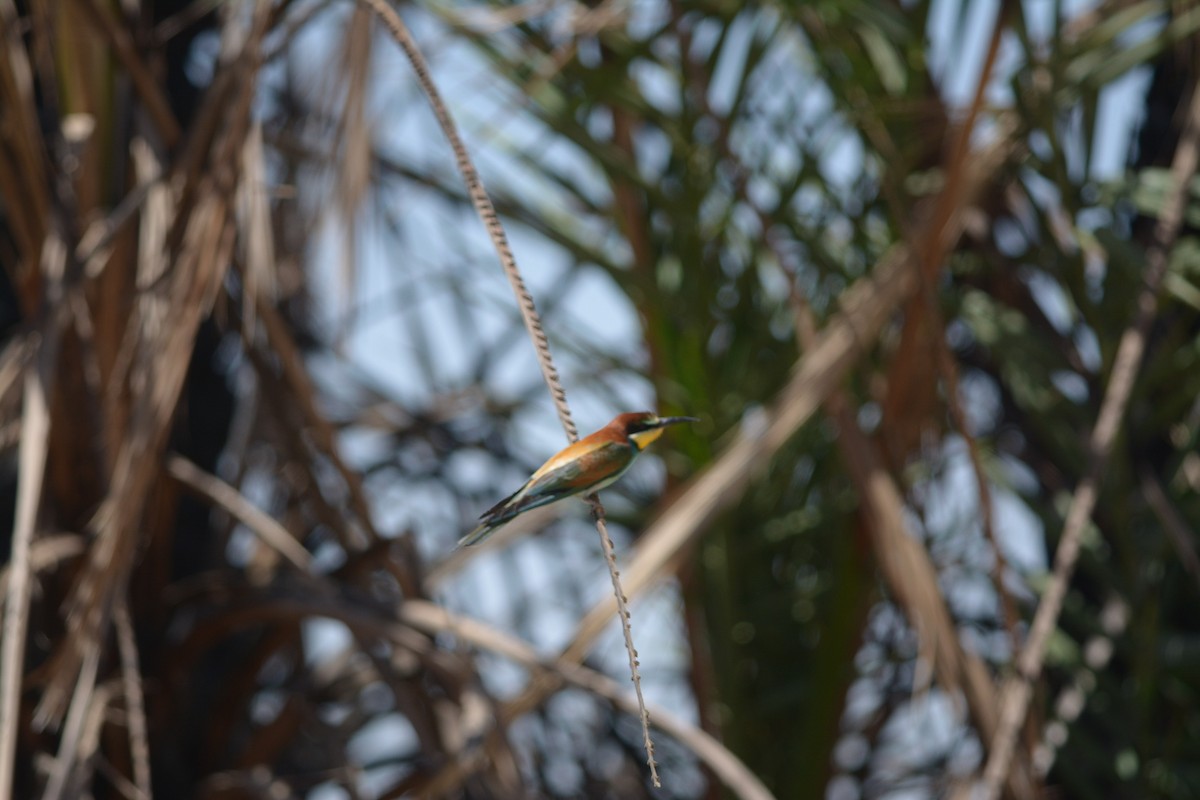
x=643, y=438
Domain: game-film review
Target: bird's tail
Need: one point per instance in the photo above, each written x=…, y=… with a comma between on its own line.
x=481, y=532
x=501, y=514
x=492, y=520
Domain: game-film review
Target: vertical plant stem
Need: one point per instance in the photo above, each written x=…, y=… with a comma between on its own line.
x=610, y=557
x=483, y=206
x=135, y=706
x=32, y=459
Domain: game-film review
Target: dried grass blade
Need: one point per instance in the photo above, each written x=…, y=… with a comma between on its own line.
x=143, y=81
x=171, y=316
x=1018, y=692
x=354, y=177
x=911, y=576
x=262, y=525
x=433, y=619
x=66, y=762
x=254, y=210
x=483, y=206
x=135, y=705
x=24, y=185
x=32, y=465
x=14, y=360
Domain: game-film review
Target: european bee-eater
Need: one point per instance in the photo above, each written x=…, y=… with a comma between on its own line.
x=587, y=466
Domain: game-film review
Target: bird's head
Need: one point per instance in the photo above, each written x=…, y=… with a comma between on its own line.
x=643, y=427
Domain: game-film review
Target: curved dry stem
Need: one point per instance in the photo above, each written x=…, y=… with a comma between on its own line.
x=434, y=619
x=261, y=524
x=1014, y=703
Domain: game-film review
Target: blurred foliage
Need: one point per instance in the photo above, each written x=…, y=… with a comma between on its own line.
x=681, y=181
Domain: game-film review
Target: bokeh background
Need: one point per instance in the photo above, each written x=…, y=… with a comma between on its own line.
x=261, y=369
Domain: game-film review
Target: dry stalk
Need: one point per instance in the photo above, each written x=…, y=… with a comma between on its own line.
x=62, y=771
x=483, y=206
x=610, y=558
x=354, y=138
x=1014, y=704
x=32, y=464
x=935, y=254
x=263, y=525
x=22, y=172
x=949, y=369
x=1097, y=652
x=491, y=220
x=135, y=705
x=254, y=211
x=433, y=620
x=141, y=76
x=906, y=567
x=31, y=460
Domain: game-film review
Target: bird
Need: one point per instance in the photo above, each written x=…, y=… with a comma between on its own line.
x=581, y=468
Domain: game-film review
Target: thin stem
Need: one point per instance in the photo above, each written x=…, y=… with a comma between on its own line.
x=483, y=206
x=135, y=704
x=491, y=220
x=32, y=459
x=1014, y=703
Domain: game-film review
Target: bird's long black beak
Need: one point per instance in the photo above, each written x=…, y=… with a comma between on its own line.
x=665, y=421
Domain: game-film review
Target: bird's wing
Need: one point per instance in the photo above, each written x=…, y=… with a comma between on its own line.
x=569, y=472
x=574, y=470
x=575, y=453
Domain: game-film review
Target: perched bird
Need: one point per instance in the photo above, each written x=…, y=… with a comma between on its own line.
x=587, y=466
